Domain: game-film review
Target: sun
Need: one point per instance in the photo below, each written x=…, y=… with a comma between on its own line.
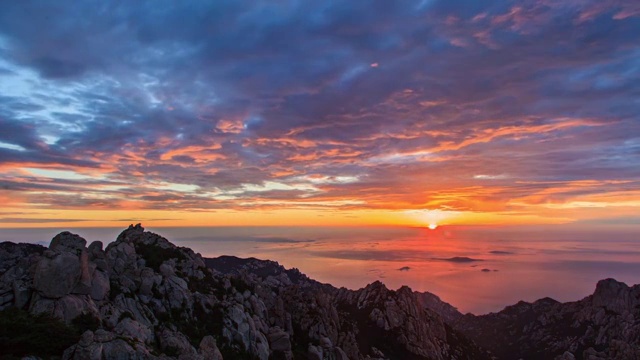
x=433, y=226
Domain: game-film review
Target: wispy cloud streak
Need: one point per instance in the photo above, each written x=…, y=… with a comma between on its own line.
x=526, y=108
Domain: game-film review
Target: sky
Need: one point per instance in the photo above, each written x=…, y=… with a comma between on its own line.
x=319, y=113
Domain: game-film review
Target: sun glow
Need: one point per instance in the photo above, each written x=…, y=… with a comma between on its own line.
x=433, y=226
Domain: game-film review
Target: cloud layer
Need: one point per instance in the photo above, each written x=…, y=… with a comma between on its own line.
x=522, y=108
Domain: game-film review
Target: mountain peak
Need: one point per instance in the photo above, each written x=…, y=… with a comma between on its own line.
x=132, y=232
x=66, y=241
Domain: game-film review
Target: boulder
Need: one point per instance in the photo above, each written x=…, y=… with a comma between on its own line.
x=175, y=342
x=279, y=340
x=84, y=281
x=132, y=329
x=314, y=352
x=209, y=349
x=67, y=242
x=56, y=277
x=100, y=285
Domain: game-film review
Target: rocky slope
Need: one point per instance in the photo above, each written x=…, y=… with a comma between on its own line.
x=605, y=325
x=144, y=298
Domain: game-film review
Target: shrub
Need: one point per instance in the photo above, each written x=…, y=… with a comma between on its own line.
x=23, y=334
x=155, y=255
x=84, y=322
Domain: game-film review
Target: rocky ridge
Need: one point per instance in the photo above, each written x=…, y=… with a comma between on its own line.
x=144, y=298
x=605, y=325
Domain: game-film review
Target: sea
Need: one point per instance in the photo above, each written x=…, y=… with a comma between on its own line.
x=478, y=269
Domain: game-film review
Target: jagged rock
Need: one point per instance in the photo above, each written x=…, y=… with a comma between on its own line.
x=177, y=291
x=279, y=340
x=566, y=356
x=151, y=296
x=606, y=320
x=325, y=342
x=97, y=255
x=100, y=285
x=174, y=342
x=95, y=250
x=148, y=279
x=56, y=277
x=21, y=294
x=67, y=242
x=433, y=302
x=315, y=353
x=66, y=308
x=209, y=349
x=132, y=232
x=138, y=311
x=101, y=335
x=84, y=282
x=105, y=345
x=132, y=329
x=613, y=296
x=339, y=354
x=121, y=257
x=314, y=307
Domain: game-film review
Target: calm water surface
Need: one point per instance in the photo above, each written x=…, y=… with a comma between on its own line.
x=476, y=269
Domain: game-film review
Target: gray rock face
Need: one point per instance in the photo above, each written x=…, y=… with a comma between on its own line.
x=279, y=340
x=105, y=345
x=67, y=242
x=173, y=342
x=338, y=324
x=607, y=321
x=99, y=285
x=57, y=275
x=132, y=329
x=209, y=349
x=153, y=300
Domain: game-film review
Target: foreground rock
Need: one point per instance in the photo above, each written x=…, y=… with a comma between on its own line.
x=144, y=298
x=605, y=325
x=323, y=322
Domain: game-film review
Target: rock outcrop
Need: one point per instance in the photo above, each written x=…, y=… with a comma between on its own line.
x=318, y=321
x=605, y=325
x=145, y=298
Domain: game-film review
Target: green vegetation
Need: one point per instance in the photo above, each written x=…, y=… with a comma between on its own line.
x=208, y=322
x=84, y=322
x=240, y=284
x=114, y=289
x=155, y=255
x=207, y=285
x=229, y=352
x=23, y=334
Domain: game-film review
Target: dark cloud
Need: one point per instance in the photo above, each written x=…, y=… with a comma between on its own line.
x=404, y=268
x=139, y=220
x=39, y=220
x=259, y=239
x=501, y=252
x=511, y=104
x=459, y=259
